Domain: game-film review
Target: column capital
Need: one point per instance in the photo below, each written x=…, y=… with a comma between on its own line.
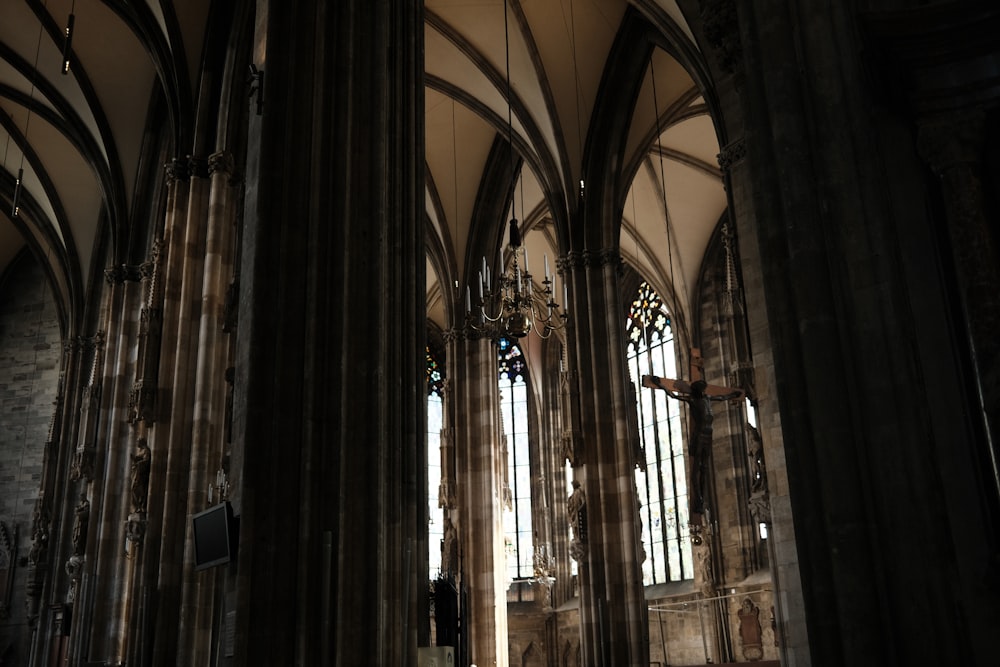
x=732, y=154
x=177, y=170
x=116, y=275
x=576, y=259
x=222, y=162
x=198, y=166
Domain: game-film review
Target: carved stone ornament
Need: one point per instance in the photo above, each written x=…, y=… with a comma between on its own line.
x=577, y=551
x=74, y=568
x=117, y=275
x=576, y=259
x=135, y=531
x=732, y=154
x=82, y=466
x=704, y=576
x=141, y=400
x=751, y=636
x=222, y=162
x=37, y=557
x=569, y=449
x=177, y=170
x=141, y=462
x=446, y=494
x=576, y=510
x=453, y=334
x=39, y=532
x=8, y=550
x=197, y=166
x=449, y=549
x=81, y=524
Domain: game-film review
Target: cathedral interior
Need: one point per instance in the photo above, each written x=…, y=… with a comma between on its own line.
x=536, y=333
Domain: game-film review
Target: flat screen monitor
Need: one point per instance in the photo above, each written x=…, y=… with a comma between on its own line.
x=214, y=536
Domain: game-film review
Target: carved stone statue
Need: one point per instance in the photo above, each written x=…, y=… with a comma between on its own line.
x=80, y=525
x=135, y=532
x=577, y=510
x=82, y=466
x=704, y=578
x=140, y=475
x=449, y=548
x=759, y=501
x=699, y=400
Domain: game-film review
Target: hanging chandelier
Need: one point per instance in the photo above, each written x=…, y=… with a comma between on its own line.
x=513, y=305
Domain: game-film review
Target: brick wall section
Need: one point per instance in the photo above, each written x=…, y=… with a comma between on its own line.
x=30, y=351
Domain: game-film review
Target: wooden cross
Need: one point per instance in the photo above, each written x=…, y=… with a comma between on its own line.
x=699, y=396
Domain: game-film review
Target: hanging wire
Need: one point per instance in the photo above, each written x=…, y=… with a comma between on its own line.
x=635, y=238
x=510, y=116
x=34, y=75
x=454, y=170
x=14, y=208
x=663, y=180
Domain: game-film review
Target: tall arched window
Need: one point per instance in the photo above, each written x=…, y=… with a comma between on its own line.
x=513, y=374
x=435, y=417
x=662, y=486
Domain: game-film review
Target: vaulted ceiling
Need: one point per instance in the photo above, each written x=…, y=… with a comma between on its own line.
x=78, y=136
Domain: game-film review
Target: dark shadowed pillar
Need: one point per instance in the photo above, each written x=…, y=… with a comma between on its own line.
x=329, y=389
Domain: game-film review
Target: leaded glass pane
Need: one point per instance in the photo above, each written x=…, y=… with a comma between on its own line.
x=650, y=351
x=512, y=377
x=435, y=418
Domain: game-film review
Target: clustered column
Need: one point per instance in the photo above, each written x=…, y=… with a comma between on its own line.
x=613, y=614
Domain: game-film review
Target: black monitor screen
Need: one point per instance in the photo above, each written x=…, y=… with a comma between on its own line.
x=212, y=536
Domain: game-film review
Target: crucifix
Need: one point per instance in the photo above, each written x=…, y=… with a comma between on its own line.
x=699, y=396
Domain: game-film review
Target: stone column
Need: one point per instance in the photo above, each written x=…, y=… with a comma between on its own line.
x=789, y=605
x=329, y=385
x=96, y=555
x=197, y=608
x=473, y=371
x=849, y=330
x=613, y=615
x=952, y=145
x=171, y=442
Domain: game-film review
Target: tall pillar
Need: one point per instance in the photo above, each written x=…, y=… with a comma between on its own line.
x=171, y=442
x=197, y=610
x=952, y=144
x=473, y=366
x=613, y=613
x=789, y=606
x=864, y=371
x=329, y=385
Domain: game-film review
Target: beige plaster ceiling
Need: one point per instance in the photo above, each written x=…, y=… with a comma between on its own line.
x=558, y=54
x=78, y=136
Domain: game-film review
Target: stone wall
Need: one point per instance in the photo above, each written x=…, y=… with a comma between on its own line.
x=30, y=351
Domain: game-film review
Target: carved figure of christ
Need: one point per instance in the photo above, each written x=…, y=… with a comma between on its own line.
x=699, y=396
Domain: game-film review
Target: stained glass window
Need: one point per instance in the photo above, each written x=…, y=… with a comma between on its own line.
x=662, y=486
x=435, y=415
x=513, y=373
